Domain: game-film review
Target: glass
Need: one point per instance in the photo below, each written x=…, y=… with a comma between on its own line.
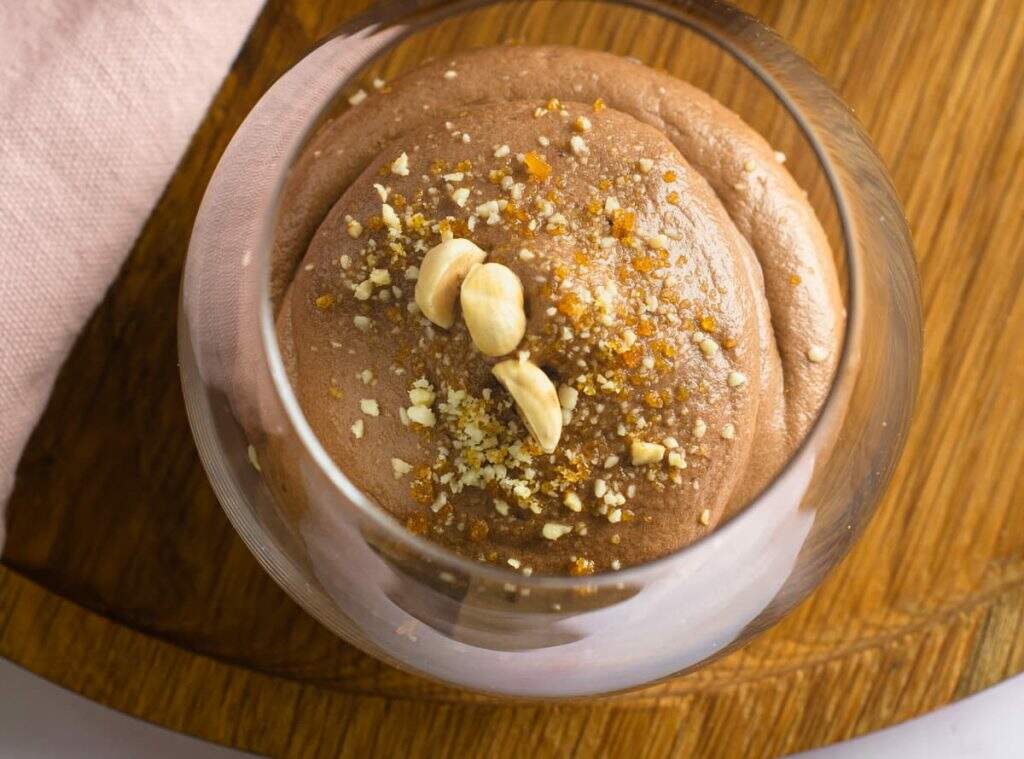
x=422, y=608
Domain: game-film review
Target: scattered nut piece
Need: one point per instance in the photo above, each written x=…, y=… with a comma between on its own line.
x=658, y=241
x=391, y=219
x=568, y=397
x=492, y=305
x=553, y=530
x=736, y=379
x=357, y=428
x=489, y=210
x=423, y=415
x=421, y=396
x=441, y=273
x=642, y=452
x=364, y=290
x=535, y=397
x=400, y=166
x=816, y=354
x=573, y=502
x=708, y=347
x=400, y=468
x=578, y=145
x=369, y=407
x=705, y=517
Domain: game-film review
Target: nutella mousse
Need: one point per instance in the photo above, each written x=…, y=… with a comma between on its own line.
x=553, y=309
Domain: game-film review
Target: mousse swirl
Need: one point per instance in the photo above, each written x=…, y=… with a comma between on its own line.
x=678, y=291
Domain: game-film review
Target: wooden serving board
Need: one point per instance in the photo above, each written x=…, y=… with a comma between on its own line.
x=123, y=580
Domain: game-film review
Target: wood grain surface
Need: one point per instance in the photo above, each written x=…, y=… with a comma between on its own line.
x=123, y=580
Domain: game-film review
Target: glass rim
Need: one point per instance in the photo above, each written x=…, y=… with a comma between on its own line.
x=416, y=15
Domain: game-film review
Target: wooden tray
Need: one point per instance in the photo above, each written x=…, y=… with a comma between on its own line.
x=123, y=580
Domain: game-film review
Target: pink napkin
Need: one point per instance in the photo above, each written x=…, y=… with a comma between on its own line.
x=98, y=101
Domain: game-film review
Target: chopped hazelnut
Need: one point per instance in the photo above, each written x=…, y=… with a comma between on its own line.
x=646, y=453
x=400, y=468
x=553, y=530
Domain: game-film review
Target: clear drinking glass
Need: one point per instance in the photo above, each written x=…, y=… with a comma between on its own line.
x=417, y=605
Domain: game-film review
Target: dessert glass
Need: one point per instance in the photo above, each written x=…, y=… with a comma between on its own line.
x=415, y=604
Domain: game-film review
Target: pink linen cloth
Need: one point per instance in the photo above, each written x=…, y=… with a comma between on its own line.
x=98, y=101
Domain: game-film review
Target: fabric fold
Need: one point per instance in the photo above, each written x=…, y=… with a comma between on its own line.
x=98, y=102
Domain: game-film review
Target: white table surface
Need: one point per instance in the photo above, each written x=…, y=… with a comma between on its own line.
x=39, y=720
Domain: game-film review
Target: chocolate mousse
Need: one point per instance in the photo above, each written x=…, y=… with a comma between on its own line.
x=553, y=309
